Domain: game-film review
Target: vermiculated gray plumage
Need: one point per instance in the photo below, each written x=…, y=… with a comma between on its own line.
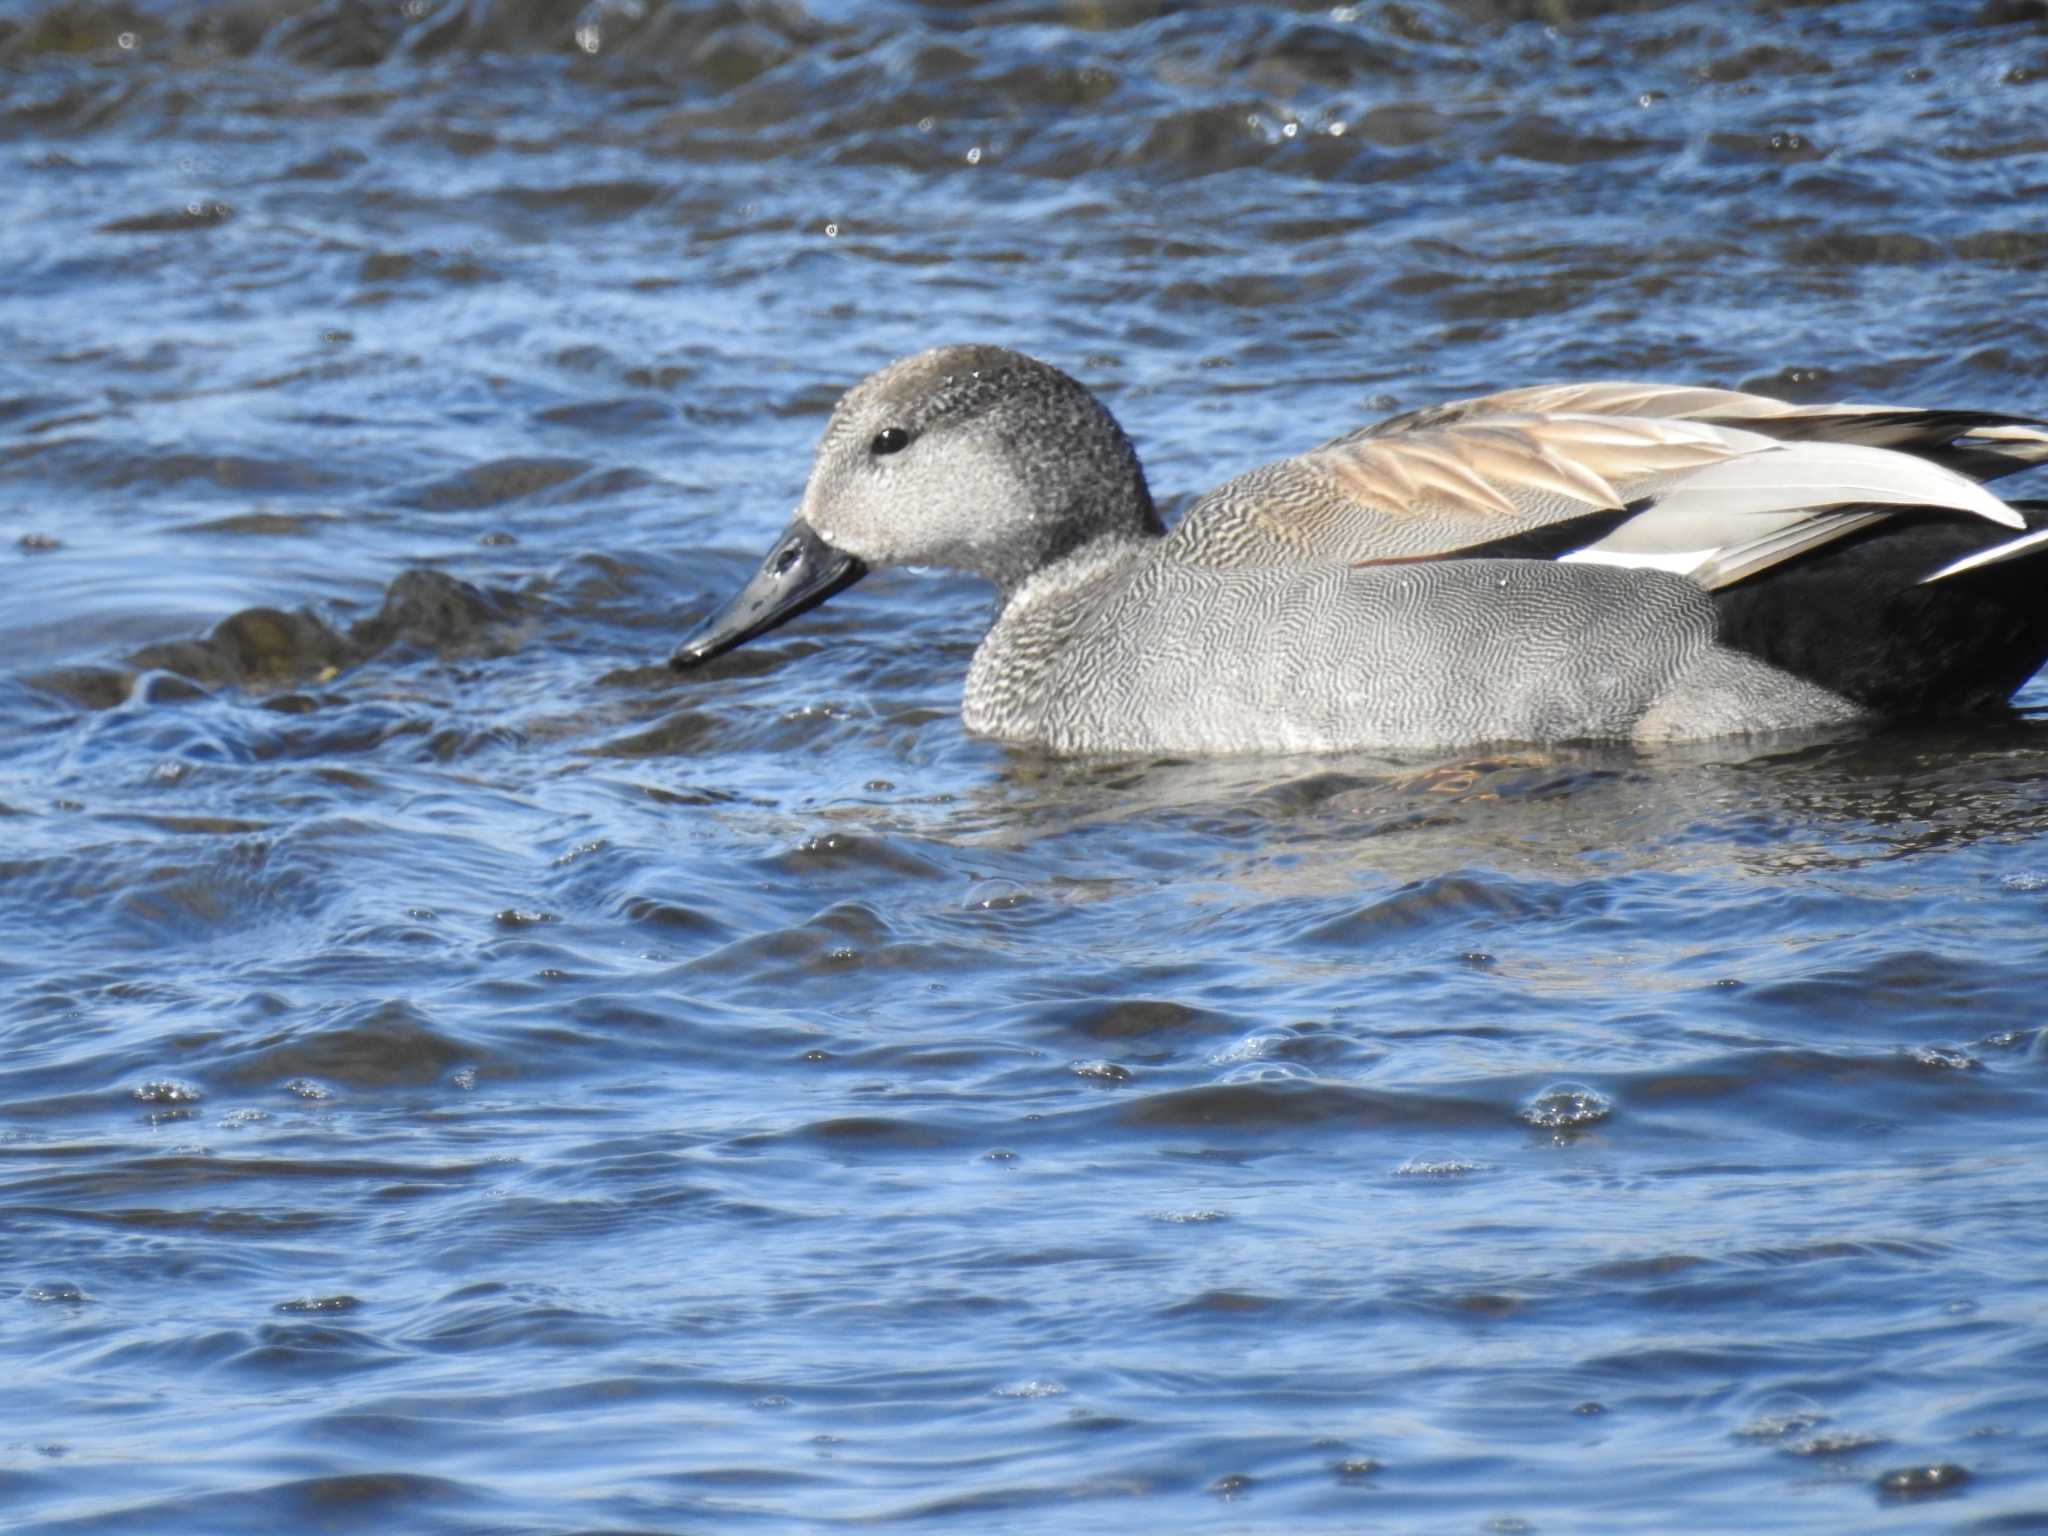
x=1145, y=654
x=1334, y=600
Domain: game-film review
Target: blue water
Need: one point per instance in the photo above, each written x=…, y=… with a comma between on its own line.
x=457, y=1076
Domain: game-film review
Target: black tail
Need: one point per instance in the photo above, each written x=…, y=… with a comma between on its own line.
x=1854, y=617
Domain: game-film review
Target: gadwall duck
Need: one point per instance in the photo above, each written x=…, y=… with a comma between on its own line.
x=1637, y=561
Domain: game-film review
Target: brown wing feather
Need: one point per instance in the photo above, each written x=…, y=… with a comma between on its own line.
x=1983, y=444
x=1507, y=466
x=1433, y=489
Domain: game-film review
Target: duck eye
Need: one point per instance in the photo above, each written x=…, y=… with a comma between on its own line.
x=890, y=440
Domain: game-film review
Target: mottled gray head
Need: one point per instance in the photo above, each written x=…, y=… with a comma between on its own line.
x=976, y=458
x=971, y=457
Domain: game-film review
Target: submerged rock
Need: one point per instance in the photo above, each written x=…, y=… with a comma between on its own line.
x=269, y=648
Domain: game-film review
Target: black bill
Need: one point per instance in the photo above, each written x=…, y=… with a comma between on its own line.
x=801, y=571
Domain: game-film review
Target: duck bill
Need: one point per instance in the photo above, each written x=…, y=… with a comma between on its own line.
x=801, y=571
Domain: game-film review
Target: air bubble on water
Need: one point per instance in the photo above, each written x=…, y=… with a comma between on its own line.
x=519, y=917
x=2023, y=882
x=166, y=1091
x=996, y=895
x=974, y=155
x=1567, y=1107
x=1268, y=1072
x=1781, y=1415
x=55, y=1293
x=301, y=1304
x=1031, y=1388
x=1100, y=1071
x=1257, y=1046
x=1438, y=1168
x=1922, y=1482
x=307, y=1088
x=1944, y=1058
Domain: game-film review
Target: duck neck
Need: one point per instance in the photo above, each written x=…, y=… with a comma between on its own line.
x=1007, y=689
x=1081, y=540
x=1074, y=571
x=1094, y=494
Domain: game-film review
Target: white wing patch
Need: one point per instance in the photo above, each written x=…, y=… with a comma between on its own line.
x=1810, y=476
x=1729, y=521
x=1680, y=562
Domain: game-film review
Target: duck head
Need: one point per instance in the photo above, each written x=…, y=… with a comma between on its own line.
x=974, y=458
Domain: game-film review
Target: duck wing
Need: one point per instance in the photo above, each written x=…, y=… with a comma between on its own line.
x=1711, y=483
x=1982, y=444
